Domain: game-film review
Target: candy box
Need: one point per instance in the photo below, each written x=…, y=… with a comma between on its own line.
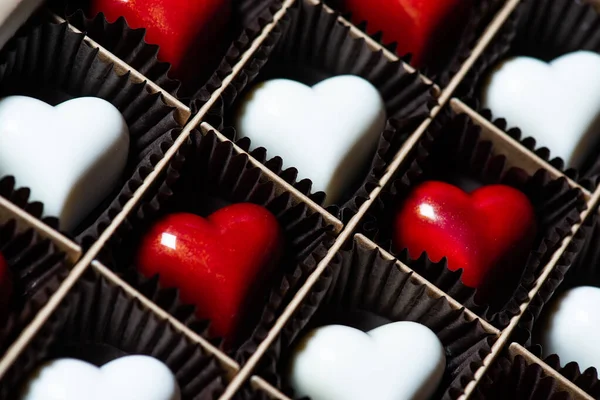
x=81, y=293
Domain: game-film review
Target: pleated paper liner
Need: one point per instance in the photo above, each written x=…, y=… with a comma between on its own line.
x=441, y=66
x=248, y=19
x=585, y=380
x=21, y=198
x=53, y=63
x=361, y=279
x=452, y=150
x=208, y=174
x=310, y=44
x=583, y=271
x=544, y=29
x=98, y=321
x=36, y=267
x=516, y=375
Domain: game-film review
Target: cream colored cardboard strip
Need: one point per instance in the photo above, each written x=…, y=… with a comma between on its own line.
x=516, y=154
x=281, y=186
x=13, y=14
x=182, y=111
x=516, y=349
x=25, y=221
x=363, y=241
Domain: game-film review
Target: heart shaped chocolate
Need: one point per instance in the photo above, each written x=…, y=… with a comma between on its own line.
x=557, y=103
x=401, y=360
x=191, y=34
x=426, y=29
x=329, y=131
x=71, y=156
x=217, y=263
x=570, y=327
x=487, y=232
x=126, y=378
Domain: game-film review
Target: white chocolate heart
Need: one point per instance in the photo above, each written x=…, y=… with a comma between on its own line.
x=328, y=132
x=71, y=156
x=127, y=378
x=557, y=103
x=570, y=327
x=401, y=360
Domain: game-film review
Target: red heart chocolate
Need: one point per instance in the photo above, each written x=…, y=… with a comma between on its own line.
x=191, y=34
x=217, y=263
x=428, y=29
x=487, y=233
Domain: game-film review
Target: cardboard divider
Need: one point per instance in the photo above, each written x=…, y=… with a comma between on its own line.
x=37, y=259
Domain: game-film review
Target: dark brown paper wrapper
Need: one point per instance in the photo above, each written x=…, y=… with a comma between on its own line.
x=450, y=147
x=544, y=29
x=249, y=17
x=96, y=314
x=206, y=175
x=445, y=67
x=36, y=269
x=54, y=64
x=310, y=45
x=583, y=271
x=516, y=380
x=361, y=279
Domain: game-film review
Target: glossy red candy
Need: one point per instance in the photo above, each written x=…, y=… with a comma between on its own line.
x=428, y=29
x=217, y=263
x=191, y=34
x=487, y=233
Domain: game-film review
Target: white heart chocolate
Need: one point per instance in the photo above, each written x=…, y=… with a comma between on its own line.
x=570, y=327
x=71, y=156
x=401, y=360
x=557, y=103
x=328, y=131
x=127, y=378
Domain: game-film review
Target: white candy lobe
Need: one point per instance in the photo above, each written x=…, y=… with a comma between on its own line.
x=128, y=378
x=71, y=156
x=329, y=132
x=557, y=103
x=401, y=360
